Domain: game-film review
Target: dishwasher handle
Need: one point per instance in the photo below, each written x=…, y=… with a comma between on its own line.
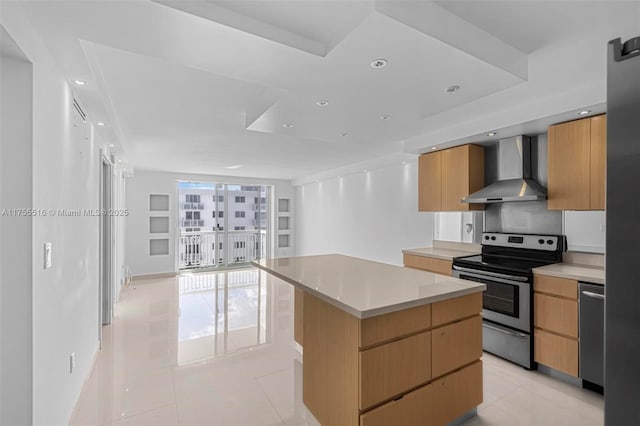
x=593, y=295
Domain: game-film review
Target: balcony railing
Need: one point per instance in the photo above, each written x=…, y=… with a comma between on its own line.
x=192, y=206
x=218, y=249
x=193, y=222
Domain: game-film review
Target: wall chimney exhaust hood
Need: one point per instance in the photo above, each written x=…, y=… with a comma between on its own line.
x=514, y=176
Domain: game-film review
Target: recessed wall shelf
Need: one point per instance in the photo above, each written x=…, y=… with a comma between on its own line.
x=159, y=202
x=283, y=223
x=158, y=247
x=159, y=224
x=283, y=205
x=283, y=240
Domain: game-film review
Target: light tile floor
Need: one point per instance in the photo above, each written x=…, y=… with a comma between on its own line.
x=218, y=349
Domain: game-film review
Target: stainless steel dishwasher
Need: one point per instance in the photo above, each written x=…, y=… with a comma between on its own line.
x=592, y=336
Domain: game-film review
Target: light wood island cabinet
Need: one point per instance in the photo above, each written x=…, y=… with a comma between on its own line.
x=405, y=362
x=447, y=176
x=576, y=164
x=439, y=266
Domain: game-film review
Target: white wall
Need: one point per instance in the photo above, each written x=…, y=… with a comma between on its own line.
x=16, y=319
x=585, y=231
x=372, y=215
x=145, y=183
x=65, y=175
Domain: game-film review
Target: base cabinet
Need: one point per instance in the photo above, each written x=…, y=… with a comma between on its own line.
x=379, y=370
x=438, y=266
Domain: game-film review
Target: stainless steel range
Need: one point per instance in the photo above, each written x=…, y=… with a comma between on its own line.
x=505, y=266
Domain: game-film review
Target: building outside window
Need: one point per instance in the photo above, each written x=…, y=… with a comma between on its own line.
x=239, y=199
x=240, y=213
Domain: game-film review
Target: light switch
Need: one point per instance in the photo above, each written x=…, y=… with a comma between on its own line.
x=47, y=255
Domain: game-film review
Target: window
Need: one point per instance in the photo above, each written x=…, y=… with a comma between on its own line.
x=249, y=188
x=239, y=228
x=220, y=198
x=192, y=215
x=262, y=200
x=214, y=213
x=240, y=214
x=240, y=199
x=192, y=198
x=261, y=215
x=240, y=244
x=221, y=213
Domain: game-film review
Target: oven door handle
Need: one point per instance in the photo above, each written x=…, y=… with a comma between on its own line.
x=491, y=274
x=509, y=332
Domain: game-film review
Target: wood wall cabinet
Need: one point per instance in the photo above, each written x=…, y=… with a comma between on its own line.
x=556, y=323
x=439, y=266
x=447, y=176
x=380, y=369
x=576, y=164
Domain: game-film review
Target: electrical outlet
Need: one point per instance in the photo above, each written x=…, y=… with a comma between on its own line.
x=72, y=362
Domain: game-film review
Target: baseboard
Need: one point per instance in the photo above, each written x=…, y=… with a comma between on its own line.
x=96, y=352
x=154, y=276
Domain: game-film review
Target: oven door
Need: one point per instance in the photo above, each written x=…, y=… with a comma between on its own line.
x=507, y=299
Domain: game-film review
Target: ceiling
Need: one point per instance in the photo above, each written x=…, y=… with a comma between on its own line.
x=207, y=86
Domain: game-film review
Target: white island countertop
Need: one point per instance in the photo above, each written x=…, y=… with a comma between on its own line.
x=364, y=288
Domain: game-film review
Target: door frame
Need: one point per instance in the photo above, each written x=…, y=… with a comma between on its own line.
x=106, y=249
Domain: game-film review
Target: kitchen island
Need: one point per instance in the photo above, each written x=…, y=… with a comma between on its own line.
x=383, y=344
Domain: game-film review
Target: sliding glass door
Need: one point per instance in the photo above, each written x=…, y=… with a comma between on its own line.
x=222, y=225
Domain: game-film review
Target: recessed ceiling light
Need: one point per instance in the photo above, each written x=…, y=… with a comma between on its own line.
x=237, y=166
x=379, y=63
x=492, y=133
x=385, y=117
x=366, y=171
x=434, y=148
x=404, y=162
x=287, y=125
x=111, y=145
x=344, y=134
x=100, y=123
x=80, y=82
x=452, y=89
x=322, y=103
x=584, y=112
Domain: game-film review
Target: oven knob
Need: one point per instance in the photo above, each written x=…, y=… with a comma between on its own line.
x=541, y=241
x=493, y=238
x=486, y=237
x=549, y=242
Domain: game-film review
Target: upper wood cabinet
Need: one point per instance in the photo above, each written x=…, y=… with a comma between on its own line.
x=447, y=176
x=576, y=161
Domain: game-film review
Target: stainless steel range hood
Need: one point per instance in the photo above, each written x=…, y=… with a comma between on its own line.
x=514, y=176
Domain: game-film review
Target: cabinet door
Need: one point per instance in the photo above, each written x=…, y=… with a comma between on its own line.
x=598, y=161
x=556, y=314
x=457, y=393
x=569, y=166
x=455, y=345
x=430, y=182
x=414, y=408
x=462, y=174
x=389, y=370
x=555, y=351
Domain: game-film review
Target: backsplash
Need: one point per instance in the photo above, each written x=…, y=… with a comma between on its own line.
x=526, y=217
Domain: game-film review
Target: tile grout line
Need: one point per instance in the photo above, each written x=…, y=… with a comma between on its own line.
x=269, y=400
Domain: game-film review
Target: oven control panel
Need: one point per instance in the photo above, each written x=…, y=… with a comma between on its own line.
x=527, y=241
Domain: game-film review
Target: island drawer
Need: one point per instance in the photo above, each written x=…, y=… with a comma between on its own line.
x=456, y=309
x=390, y=326
x=456, y=345
x=413, y=408
x=439, y=266
x=456, y=393
x=389, y=370
x=557, y=286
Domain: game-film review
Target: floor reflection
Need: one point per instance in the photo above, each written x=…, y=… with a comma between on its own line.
x=222, y=313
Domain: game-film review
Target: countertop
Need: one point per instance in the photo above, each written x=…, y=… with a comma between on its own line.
x=573, y=271
x=446, y=250
x=364, y=288
x=439, y=253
